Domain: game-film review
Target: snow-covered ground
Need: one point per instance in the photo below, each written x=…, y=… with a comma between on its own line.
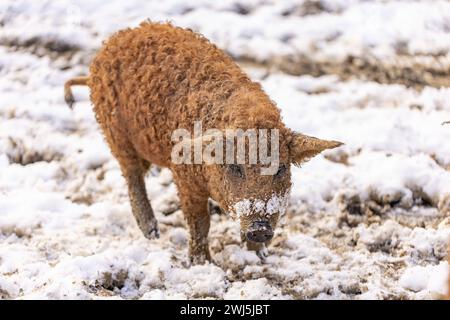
x=367, y=221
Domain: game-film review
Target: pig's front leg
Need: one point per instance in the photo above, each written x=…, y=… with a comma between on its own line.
x=198, y=220
x=195, y=209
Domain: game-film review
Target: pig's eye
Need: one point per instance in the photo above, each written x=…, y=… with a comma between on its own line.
x=281, y=171
x=236, y=170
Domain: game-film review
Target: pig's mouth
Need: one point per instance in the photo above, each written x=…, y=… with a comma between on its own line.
x=259, y=231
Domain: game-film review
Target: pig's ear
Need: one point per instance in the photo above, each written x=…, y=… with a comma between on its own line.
x=303, y=147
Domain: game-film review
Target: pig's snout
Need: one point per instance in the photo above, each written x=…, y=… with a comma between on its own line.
x=259, y=231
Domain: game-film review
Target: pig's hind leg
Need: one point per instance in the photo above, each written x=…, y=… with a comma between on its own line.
x=133, y=169
x=140, y=205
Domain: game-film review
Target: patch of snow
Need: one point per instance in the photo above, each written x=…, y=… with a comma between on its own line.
x=430, y=278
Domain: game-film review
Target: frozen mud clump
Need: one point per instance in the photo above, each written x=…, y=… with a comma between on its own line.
x=19, y=152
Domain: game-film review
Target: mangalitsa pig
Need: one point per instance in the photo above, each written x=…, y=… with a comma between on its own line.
x=149, y=81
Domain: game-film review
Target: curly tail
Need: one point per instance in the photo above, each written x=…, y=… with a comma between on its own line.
x=77, y=81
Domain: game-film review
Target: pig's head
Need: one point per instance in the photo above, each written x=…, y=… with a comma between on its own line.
x=242, y=190
x=258, y=200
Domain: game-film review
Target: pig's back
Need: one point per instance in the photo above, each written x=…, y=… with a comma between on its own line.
x=156, y=78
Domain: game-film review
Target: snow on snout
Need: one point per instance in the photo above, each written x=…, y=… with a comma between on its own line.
x=277, y=203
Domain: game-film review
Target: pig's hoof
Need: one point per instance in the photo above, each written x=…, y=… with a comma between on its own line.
x=200, y=258
x=151, y=231
x=262, y=254
x=214, y=208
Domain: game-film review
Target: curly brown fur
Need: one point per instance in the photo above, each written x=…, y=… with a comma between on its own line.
x=149, y=81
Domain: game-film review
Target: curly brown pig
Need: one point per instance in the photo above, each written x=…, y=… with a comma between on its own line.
x=147, y=82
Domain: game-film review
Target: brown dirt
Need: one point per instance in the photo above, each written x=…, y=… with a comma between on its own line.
x=411, y=71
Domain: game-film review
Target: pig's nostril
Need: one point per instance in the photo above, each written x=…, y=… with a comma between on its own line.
x=260, y=231
x=259, y=236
